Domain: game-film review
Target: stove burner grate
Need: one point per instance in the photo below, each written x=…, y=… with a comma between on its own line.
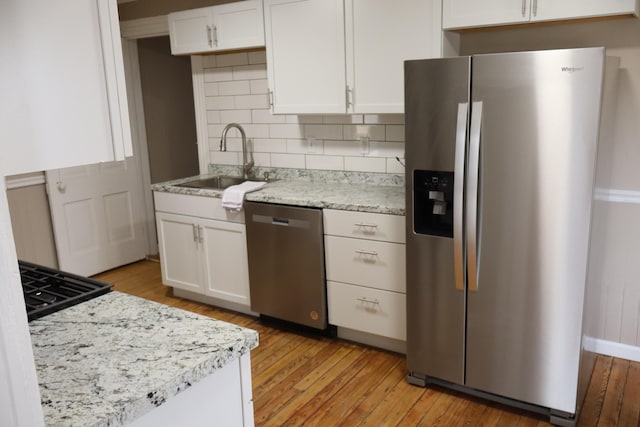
x=47, y=290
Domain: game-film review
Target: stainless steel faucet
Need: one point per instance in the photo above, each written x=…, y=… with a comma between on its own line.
x=246, y=165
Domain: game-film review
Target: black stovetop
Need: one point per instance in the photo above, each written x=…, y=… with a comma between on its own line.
x=47, y=290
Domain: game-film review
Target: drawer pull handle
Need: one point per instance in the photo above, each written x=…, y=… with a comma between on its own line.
x=366, y=224
x=365, y=252
x=368, y=301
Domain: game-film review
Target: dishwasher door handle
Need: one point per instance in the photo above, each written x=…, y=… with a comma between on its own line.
x=280, y=221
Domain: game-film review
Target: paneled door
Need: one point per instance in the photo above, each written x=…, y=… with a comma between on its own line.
x=98, y=216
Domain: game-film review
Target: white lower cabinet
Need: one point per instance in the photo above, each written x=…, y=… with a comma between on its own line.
x=367, y=309
x=203, y=249
x=366, y=274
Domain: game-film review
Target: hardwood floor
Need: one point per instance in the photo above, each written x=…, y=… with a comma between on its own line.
x=315, y=381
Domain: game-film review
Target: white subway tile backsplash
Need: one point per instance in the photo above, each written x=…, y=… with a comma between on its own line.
x=323, y=131
x=343, y=119
x=386, y=149
x=208, y=61
x=250, y=72
x=252, y=101
x=342, y=148
x=280, y=160
x=233, y=143
x=265, y=116
x=270, y=145
x=395, y=133
x=223, y=157
x=211, y=89
x=301, y=146
x=218, y=74
x=325, y=162
x=213, y=117
x=256, y=131
x=384, y=119
x=236, y=90
x=365, y=164
x=304, y=119
x=235, y=116
x=236, y=87
x=258, y=57
x=220, y=102
x=259, y=86
x=286, y=131
x=232, y=59
x=261, y=159
x=374, y=132
x=215, y=131
x=393, y=166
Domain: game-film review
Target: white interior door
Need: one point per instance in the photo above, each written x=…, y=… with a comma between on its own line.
x=98, y=216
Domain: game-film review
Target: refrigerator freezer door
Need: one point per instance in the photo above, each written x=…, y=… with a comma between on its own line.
x=436, y=94
x=539, y=129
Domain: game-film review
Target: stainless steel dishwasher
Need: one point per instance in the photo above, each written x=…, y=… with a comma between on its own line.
x=285, y=246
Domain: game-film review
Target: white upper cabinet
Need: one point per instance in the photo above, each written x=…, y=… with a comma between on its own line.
x=306, y=55
x=457, y=14
x=470, y=13
x=381, y=35
x=62, y=83
x=345, y=56
x=548, y=10
x=229, y=26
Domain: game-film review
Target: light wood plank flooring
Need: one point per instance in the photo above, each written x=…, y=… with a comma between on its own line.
x=303, y=380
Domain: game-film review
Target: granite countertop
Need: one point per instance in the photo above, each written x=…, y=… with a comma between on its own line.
x=109, y=360
x=366, y=194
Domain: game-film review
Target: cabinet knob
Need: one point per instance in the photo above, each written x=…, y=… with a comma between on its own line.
x=62, y=187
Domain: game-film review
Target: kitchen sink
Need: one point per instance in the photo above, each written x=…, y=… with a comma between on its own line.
x=218, y=182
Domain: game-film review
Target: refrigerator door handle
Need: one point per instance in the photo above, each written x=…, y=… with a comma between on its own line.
x=458, y=197
x=472, y=195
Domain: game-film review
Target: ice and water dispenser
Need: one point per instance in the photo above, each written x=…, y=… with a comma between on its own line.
x=433, y=202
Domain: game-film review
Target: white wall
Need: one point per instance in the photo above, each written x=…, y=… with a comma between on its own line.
x=236, y=91
x=615, y=257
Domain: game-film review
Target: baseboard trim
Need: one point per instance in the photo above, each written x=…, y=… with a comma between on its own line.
x=615, y=349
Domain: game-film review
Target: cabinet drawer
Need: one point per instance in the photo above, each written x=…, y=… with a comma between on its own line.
x=364, y=225
x=367, y=310
x=199, y=206
x=378, y=265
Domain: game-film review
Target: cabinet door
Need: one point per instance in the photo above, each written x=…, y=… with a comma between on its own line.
x=380, y=37
x=59, y=66
x=191, y=31
x=180, y=257
x=547, y=10
x=224, y=252
x=472, y=13
x=238, y=25
x=306, y=55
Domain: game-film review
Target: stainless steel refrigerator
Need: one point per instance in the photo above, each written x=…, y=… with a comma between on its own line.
x=500, y=165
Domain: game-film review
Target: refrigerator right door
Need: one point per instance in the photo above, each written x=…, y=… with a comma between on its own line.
x=533, y=137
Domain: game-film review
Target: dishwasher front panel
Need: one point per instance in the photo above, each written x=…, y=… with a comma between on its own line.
x=285, y=246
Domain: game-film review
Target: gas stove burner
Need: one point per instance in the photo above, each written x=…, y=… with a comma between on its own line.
x=47, y=290
x=39, y=299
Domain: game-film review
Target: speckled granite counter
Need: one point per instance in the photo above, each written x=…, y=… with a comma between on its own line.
x=365, y=193
x=109, y=360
